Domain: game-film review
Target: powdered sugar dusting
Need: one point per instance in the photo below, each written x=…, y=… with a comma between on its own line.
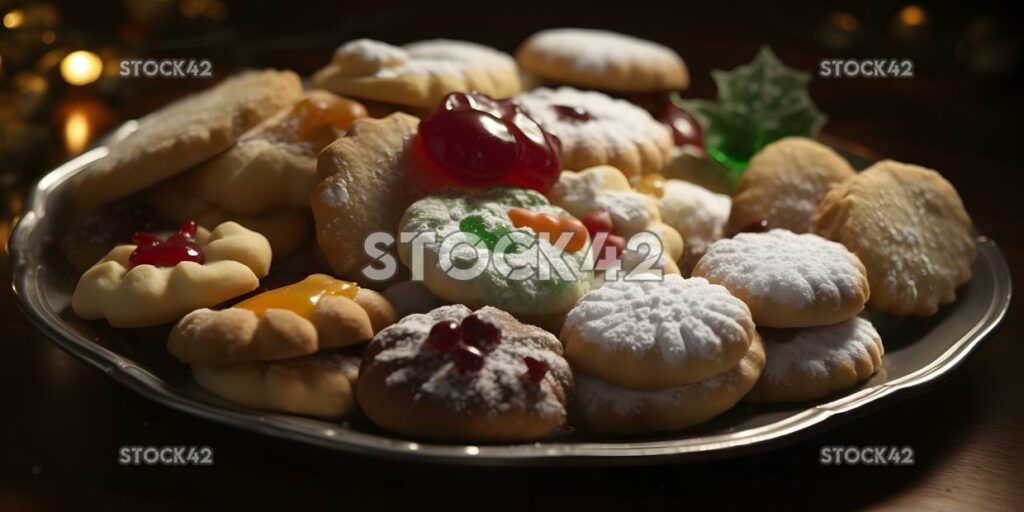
x=699, y=214
x=597, y=50
x=817, y=351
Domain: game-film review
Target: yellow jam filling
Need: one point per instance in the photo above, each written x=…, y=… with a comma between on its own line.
x=301, y=297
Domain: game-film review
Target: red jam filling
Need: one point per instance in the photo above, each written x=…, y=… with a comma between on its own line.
x=467, y=343
x=179, y=247
x=599, y=222
x=571, y=114
x=480, y=141
x=535, y=369
x=686, y=131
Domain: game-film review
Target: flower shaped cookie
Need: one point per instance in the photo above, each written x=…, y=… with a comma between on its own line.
x=232, y=260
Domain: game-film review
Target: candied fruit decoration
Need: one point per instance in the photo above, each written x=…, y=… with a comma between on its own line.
x=479, y=333
x=179, y=247
x=686, y=131
x=302, y=297
x=571, y=114
x=598, y=221
x=652, y=185
x=476, y=225
x=756, y=226
x=317, y=114
x=468, y=359
x=480, y=141
x=445, y=336
x=535, y=369
x=553, y=226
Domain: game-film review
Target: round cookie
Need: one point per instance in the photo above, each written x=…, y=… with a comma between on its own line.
x=511, y=266
x=599, y=59
x=788, y=280
x=811, y=363
x=472, y=387
x=909, y=227
x=320, y=385
x=419, y=74
x=185, y=133
x=648, y=334
x=606, y=408
x=698, y=214
x=596, y=129
x=784, y=184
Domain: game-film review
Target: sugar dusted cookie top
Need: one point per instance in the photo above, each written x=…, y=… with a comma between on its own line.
x=697, y=213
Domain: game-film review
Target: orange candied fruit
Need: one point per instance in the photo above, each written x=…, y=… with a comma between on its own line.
x=652, y=185
x=317, y=114
x=553, y=226
x=302, y=297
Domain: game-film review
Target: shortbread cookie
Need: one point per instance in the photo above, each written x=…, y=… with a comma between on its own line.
x=598, y=59
x=418, y=74
x=811, y=363
x=784, y=184
x=321, y=385
x=596, y=129
x=699, y=216
x=184, y=134
x=909, y=227
x=655, y=334
x=233, y=261
x=272, y=167
x=455, y=374
x=607, y=408
x=295, y=320
x=788, y=280
x=498, y=246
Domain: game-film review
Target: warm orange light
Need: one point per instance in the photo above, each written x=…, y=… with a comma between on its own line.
x=81, y=67
x=913, y=15
x=76, y=131
x=49, y=37
x=845, y=21
x=14, y=19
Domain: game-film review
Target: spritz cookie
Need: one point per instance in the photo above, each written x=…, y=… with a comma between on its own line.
x=656, y=334
x=456, y=374
x=814, y=362
x=185, y=133
x=606, y=408
x=595, y=129
x=599, y=59
x=909, y=227
x=788, y=280
x=784, y=184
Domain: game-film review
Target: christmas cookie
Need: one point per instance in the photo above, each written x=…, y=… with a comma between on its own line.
x=598, y=59
x=784, y=184
x=295, y=320
x=320, y=385
x=909, y=227
x=455, y=374
x=698, y=214
x=184, y=134
x=811, y=363
x=418, y=74
x=595, y=129
x=788, y=280
x=651, y=334
x=607, y=408
x=503, y=246
x=155, y=281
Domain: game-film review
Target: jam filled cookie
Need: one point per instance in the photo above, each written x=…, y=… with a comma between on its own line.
x=607, y=408
x=156, y=281
x=455, y=374
x=811, y=363
x=648, y=334
x=909, y=227
x=295, y=320
x=598, y=59
x=698, y=214
x=788, y=280
x=418, y=74
x=784, y=184
x=595, y=129
x=184, y=134
x=487, y=247
x=320, y=385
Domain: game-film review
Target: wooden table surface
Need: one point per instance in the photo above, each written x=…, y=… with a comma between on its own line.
x=63, y=421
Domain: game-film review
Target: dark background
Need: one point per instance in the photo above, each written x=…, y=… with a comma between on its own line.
x=62, y=422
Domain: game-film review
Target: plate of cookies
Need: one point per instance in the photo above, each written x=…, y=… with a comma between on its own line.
x=441, y=252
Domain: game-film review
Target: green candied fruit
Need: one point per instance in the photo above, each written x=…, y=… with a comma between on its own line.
x=476, y=225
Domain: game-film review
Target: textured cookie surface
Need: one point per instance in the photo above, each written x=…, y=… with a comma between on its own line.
x=698, y=214
x=602, y=60
x=810, y=363
x=909, y=227
x=788, y=280
x=784, y=184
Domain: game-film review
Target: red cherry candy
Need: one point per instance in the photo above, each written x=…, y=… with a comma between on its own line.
x=571, y=114
x=480, y=333
x=686, y=131
x=179, y=247
x=444, y=336
x=536, y=369
x=598, y=221
x=468, y=359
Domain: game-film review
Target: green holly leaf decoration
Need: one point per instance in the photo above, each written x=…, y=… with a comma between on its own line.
x=757, y=104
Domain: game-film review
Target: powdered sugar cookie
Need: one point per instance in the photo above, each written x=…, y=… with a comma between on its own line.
x=788, y=280
x=698, y=214
x=599, y=59
x=607, y=408
x=810, y=363
x=418, y=74
x=185, y=133
x=320, y=385
x=653, y=334
x=455, y=374
x=909, y=227
x=596, y=129
x=784, y=184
